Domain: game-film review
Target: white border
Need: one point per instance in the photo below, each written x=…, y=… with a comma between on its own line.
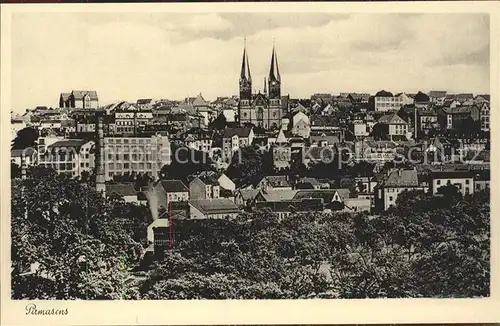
x=253, y=311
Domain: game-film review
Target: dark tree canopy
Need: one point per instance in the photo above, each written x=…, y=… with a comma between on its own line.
x=26, y=137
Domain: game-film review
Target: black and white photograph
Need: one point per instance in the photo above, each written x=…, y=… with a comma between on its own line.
x=219, y=155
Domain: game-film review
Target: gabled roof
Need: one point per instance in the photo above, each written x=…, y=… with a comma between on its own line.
x=215, y=206
x=484, y=96
x=383, y=93
x=74, y=143
x=402, y=178
x=325, y=194
x=437, y=94
x=240, y=132
x=78, y=95
x=248, y=194
x=122, y=189
x=174, y=186
x=200, y=101
x=281, y=139
x=392, y=119
x=65, y=96
x=323, y=120
x=280, y=195
x=277, y=180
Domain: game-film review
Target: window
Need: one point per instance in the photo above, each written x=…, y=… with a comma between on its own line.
x=390, y=198
x=438, y=182
x=126, y=165
x=467, y=181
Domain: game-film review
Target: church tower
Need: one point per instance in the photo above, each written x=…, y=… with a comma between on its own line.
x=245, y=78
x=274, y=77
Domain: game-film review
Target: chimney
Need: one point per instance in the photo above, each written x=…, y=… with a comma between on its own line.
x=99, y=156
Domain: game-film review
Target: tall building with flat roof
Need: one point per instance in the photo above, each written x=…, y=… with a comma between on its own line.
x=144, y=155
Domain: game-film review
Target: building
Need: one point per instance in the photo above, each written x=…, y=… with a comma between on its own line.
x=463, y=180
x=235, y=138
x=397, y=181
x=274, y=183
x=301, y=125
x=204, y=187
x=212, y=209
x=16, y=123
x=458, y=118
x=482, y=180
x=281, y=152
x=170, y=191
x=245, y=197
x=222, y=179
x=199, y=139
x=69, y=156
x=127, y=192
x=283, y=209
x=262, y=110
x=30, y=156
x=421, y=100
x=79, y=100
x=484, y=116
x=144, y=155
x=392, y=126
x=384, y=101
x=404, y=99
x=437, y=97
x=427, y=120
x=482, y=98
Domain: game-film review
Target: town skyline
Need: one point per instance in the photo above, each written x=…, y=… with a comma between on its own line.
x=188, y=54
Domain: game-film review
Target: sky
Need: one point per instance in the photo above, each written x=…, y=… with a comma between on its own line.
x=126, y=56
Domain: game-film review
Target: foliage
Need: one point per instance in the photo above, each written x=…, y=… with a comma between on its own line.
x=83, y=243
x=425, y=246
x=25, y=138
x=248, y=166
x=185, y=163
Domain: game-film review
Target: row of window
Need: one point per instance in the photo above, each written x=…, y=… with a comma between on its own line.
x=438, y=182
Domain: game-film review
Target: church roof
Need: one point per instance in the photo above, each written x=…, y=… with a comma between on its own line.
x=274, y=72
x=245, y=67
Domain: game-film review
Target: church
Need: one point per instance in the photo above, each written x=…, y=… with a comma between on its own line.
x=262, y=110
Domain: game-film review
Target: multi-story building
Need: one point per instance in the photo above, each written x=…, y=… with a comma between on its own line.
x=262, y=110
x=144, y=155
x=484, y=116
x=69, y=156
x=463, y=180
x=130, y=122
x=437, y=97
x=281, y=152
x=79, y=100
x=235, y=138
x=426, y=120
x=301, y=125
x=397, y=181
x=212, y=209
x=385, y=101
x=30, y=156
x=392, y=126
x=170, y=191
x=274, y=183
x=204, y=188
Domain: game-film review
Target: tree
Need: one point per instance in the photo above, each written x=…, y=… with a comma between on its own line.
x=25, y=138
x=81, y=241
x=185, y=163
x=15, y=170
x=246, y=166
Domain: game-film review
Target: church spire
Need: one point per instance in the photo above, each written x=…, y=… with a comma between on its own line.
x=245, y=77
x=265, y=86
x=245, y=66
x=274, y=72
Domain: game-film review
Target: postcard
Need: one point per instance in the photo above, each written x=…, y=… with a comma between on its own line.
x=250, y=163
